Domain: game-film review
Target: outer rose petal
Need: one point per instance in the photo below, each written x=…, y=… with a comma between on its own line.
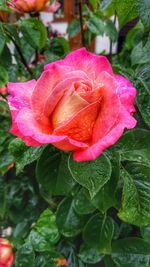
x=91, y=153
x=30, y=128
x=20, y=98
x=83, y=60
x=45, y=84
x=124, y=120
x=110, y=107
x=21, y=93
x=126, y=93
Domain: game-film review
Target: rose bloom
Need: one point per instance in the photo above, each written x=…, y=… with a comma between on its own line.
x=78, y=104
x=6, y=253
x=27, y=6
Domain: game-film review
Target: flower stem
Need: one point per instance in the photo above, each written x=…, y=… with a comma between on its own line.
x=19, y=52
x=81, y=23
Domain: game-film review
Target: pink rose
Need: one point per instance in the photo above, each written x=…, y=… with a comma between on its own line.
x=27, y=6
x=78, y=104
x=6, y=253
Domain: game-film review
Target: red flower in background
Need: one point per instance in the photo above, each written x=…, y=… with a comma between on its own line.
x=28, y=6
x=6, y=253
x=3, y=16
x=61, y=262
x=3, y=90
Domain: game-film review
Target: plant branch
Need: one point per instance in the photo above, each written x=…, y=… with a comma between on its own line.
x=81, y=23
x=19, y=52
x=111, y=42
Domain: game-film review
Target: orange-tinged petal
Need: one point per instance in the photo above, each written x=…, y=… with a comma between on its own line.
x=66, y=108
x=80, y=127
x=110, y=107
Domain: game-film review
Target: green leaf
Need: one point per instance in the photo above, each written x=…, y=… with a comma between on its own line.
x=52, y=173
x=143, y=7
x=6, y=59
x=89, y=255
x=143, y=102
x=141, y=53
x=134, y=145
x=2, y=39
x=5, y=161
x=56, y=48
x=82, y=202
x=94, y=3
x=131, y=252
x=61, y=44
x=48, y=259
x=111, y=31
x=96, y=25
x=145, y=233
x=98, y=233
x=106, y=197
x=126, y=10
x=134, y=36
x=21, y=230
x=68, y=221
x=39, y=243
x=46, y=226
x=34, y=32
x=25, y=256
x=3, y=6
x=3, y=76
x=105, y=4
x=23, y=154
x=91, y=174
x=74, y=28
x=136, y=194
x=109, y=262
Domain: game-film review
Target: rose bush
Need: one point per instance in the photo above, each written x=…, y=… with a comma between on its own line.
x=6, y=254
x=78, y=104
x=28, y=6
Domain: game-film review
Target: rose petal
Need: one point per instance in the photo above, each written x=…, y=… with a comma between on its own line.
x=126, y=93
x=110, y=107
x=91, y=153
x=19, y=98
x=59, y=90
x=92, y=96
x=67, y=107
x=20, y=93
x=80, y=127
x=83, y=60
x=30, y=128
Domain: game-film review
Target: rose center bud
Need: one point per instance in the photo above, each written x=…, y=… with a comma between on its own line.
x=77, y=112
